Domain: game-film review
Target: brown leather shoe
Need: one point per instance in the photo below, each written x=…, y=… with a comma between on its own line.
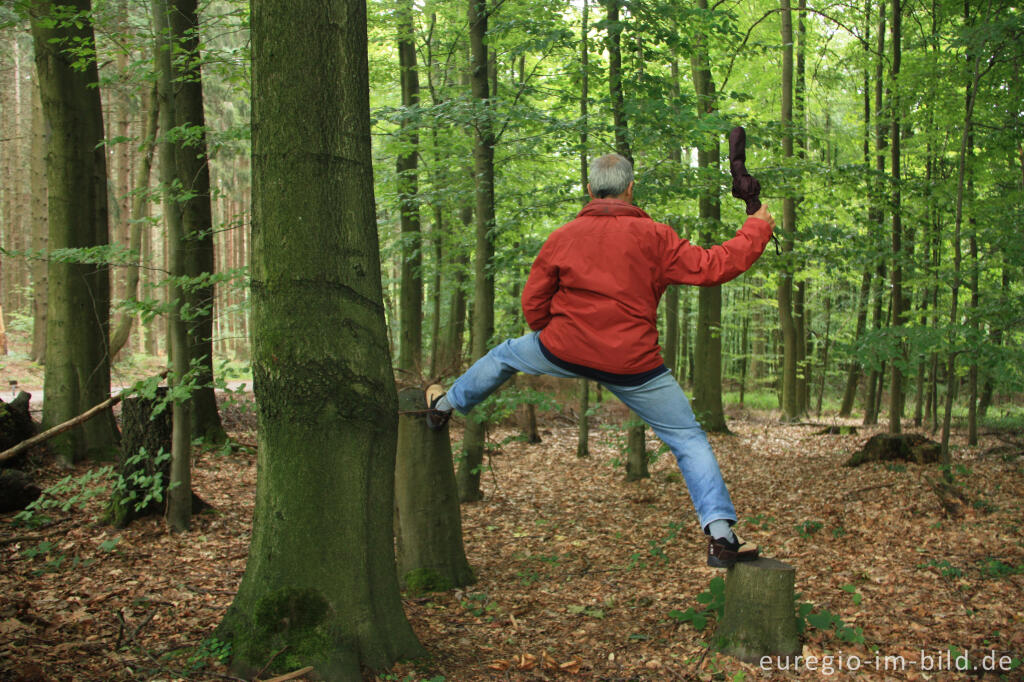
x=723, y=554
x=436, y=419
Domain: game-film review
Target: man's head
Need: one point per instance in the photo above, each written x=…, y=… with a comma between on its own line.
x=611, y=176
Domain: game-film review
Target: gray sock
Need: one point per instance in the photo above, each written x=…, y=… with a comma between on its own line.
x=720, y=528
x=443, y=405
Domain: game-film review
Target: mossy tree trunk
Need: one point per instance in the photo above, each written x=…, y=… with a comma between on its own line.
x=428, y=524
x=77, y=373
x=320, y=582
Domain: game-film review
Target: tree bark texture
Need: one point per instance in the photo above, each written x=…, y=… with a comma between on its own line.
x=760, y=611
x=320, y=582
x=77, y=372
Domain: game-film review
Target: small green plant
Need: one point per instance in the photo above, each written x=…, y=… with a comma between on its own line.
x=762, y=521
x=109, y=545
x=67, y=493
x=478, y=604
x=140, y=487
x=855, y=596
x=984, y=506
x=656, y=548
x=51, y=560
x=591, y=611
x=713, y=600
x=895, y=466
x=809, y=528
x=994, y=568
x=209, y=650
x=825, y=620
x=946, y=569
x=527, y=578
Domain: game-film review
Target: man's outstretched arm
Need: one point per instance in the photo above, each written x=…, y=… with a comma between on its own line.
x=687, y=263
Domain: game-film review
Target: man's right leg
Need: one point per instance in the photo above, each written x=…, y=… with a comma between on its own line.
x=492, y=370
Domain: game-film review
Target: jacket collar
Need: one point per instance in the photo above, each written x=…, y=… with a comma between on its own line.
x=611, y=207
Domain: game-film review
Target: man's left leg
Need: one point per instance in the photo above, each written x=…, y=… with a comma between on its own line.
x=662, y=404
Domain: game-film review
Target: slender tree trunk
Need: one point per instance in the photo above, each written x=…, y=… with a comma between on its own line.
x=410, y=313
x=320, y=586
x=583, y=434
x=824, y=354
x=800, y=317
x=671, y=348
x=139, y=213
x=898, y=313
x=614, y=46
x=39, y=228
x=787, y=323
x=179, y=499
x=77, y=375
x=636, y=426
x=854, y=370
x=876, y=212
x=483, y=299
x=193, y=172
x=947, y=418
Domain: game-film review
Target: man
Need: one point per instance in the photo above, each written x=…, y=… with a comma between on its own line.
x=592, y=300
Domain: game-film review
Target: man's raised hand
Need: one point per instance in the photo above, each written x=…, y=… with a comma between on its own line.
x=763, y=214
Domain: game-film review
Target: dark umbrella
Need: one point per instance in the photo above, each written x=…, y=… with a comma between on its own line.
x=744, y=185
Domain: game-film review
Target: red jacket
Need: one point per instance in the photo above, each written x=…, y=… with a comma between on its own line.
x=594, y=288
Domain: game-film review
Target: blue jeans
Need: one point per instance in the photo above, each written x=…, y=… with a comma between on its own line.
x=660, y=402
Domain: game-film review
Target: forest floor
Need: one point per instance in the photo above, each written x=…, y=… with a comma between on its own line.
x=580, y=574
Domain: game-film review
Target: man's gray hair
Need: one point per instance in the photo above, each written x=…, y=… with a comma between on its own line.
x=610, y=175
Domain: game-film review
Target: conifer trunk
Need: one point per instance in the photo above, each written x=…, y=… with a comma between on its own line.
x=77, y=372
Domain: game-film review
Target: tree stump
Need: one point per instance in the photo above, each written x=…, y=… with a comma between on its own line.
x=145, y=462
x=16, y=425
x=909, y=447
x=17, y=490
x=636, y=459
x=428, y=522
x=759, y=618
